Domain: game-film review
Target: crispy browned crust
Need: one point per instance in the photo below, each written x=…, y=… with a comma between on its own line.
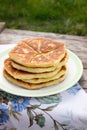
x=18, y=74
x=36, y=58
x=38, y=52
x=41, y=69
x=42, y=80
x=29, y=85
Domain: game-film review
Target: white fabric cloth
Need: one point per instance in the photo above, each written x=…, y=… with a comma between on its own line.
x=63, y=111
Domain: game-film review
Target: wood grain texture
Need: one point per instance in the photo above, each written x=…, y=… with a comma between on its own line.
x=2, y=26
x=83, y=80
x=77, y=44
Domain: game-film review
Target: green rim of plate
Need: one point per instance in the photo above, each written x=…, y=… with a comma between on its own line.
x=78, y=75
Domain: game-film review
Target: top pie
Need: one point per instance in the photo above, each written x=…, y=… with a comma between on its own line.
x=38, y=52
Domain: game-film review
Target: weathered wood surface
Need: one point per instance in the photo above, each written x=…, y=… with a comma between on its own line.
x=83, y=80
x=2, y=26
x=77, y=44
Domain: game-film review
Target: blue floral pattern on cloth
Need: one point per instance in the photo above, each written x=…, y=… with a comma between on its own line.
x=4, y=117
x=58, y=111
x=50, y=99
x=19, y=103
x=74, y=89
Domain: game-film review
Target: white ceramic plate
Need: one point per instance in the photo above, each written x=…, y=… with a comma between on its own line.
x=75, y=70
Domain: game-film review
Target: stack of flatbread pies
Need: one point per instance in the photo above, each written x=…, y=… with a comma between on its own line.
x=35, y=63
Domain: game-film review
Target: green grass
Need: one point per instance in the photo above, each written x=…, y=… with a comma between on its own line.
x=59, y=16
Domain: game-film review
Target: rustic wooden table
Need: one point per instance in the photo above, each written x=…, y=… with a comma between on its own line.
x=77, y=44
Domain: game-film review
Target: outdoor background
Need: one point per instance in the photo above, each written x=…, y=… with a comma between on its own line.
x=59, y=16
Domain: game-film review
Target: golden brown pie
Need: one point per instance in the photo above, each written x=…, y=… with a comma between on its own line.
x=41, y=69
x=36, y=62
x=38, y=52
x=31, y=85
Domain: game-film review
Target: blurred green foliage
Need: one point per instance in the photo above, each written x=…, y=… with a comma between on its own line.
x=59, y=16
